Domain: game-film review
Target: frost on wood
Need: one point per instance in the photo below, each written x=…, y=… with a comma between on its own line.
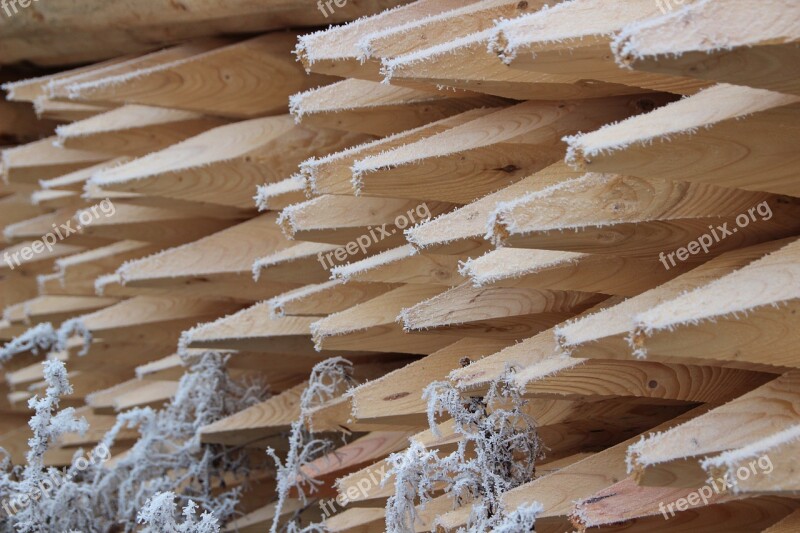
x=417, y=473
x=158, y=516
x=328, y=379
x=497, y=451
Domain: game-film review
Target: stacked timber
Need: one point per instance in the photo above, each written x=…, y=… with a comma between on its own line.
x=500, y=264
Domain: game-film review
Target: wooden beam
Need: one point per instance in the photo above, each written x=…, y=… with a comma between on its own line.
x=469, y=161
x=326, y=298
x=469, y=64
x=370, y=447
x=16, y=207
x=672, y=458
x=335, y=51
x=720, y=515
x=98, y=261
x=442, y=28
x=152, y=394
x=571, y=379
x=404, y=264
x=148, y=319
x=134, y=130
x=361, y=519
x=149, y=224
x=762, y=468
x=569, y=271
x=36, y=228
x=53, y=199
x=374, y=325
x=363, y=221
x=332, y=173
x=752, y=316
x=56, y=309
x=76, y=181
x=31, y=88
x=41, y=160
x=725, y=135
x=507, y=313
x=253, y=329
x=557, y=491
x=573, y=38
x=51, y=36
x=604, y=334
x=397, y=396
x=24, y=261
x=275, y=415
x=658, y=217
x=241, y=80
x=463, y=230
x=262, y=518
x=732, y=44
x=224, y=165
x=300, y=263
x=535, y=353
x=380, y=109
x=787, y=525
x=217, y=265
x=67, y=111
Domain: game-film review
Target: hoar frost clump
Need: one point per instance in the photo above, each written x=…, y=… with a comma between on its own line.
x=168, y=454
x=159, y=513
x=497, y=451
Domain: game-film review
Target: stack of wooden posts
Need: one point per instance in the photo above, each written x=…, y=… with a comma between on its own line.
x=599, y=197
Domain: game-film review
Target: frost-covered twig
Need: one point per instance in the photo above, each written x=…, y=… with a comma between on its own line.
x=45, y=500
x=497, y=451
x=45, y=338
x=73, y=326
x=328, y=378
x=40, y=338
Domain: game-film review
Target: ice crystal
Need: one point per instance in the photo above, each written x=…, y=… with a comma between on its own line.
x=158, y=514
